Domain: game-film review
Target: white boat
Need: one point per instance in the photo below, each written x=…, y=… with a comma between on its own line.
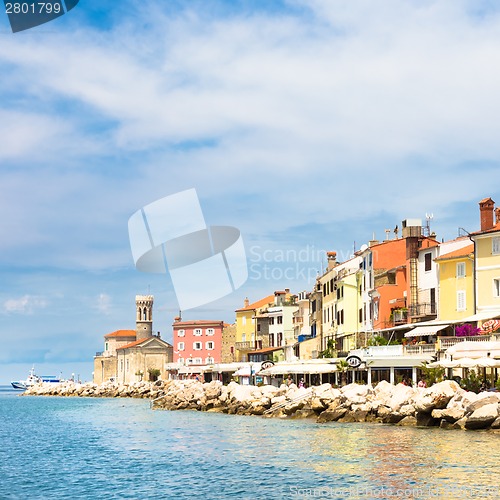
x=24, y=384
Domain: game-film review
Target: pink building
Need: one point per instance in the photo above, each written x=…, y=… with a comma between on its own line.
x=197, y=342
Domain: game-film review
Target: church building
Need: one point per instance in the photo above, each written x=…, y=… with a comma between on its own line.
x=134, y=355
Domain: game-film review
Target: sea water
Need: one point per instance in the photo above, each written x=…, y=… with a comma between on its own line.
x=119, y=448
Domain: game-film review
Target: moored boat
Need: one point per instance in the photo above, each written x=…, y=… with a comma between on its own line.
x=30, y=381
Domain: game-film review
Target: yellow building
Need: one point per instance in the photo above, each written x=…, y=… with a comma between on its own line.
x=246, y=326
x=456, y=284
x=487, y=261
x=265, y=323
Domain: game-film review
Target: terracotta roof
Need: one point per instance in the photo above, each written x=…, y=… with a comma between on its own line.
x=121, y=333
x=198, y=322
x=260, y=303
x=461, y=252
x=132, y=344
x=142, y=341
x=429, y=243
x=266, y=349
x=496, y=227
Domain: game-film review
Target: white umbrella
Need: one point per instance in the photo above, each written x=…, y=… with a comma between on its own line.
x=488, y=362
x=467, y=363
x=448, y=363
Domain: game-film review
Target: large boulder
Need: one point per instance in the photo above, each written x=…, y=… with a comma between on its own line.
x=401, y=396
x=483, y=399
x=449, y=414
x=242, y=393
x=482, y=417
x=436, y=396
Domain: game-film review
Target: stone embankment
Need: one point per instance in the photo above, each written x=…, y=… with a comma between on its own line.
x=148, y=390
x=444, y=404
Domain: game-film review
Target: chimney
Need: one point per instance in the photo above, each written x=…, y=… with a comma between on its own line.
x=497, y=215
x=486, y=207
x=332, y=259
x=246, y=302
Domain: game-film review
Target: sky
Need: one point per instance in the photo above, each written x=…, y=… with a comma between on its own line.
x=309, y=125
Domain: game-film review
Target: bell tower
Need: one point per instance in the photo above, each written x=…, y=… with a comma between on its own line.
x=144, y=316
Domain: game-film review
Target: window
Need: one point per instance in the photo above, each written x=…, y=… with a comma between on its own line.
x=496, y=287
x=460, y=269
x=127, y=365
x=190, y=361
x=271, y=321
x=106, y=346
x=279, y=320
x=279, y=340
x=197, y=332
x=428, y=261
x=210, y=331
x=181, y=333
x=209, y=361
x=210, y=345
x=197, y=361
x=495, y=245
x=244, y=320
x=461, y=300
x=180, y=346
x=197, y=346
x=181, y=360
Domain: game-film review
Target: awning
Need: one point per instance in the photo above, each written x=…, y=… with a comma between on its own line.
x=420, y=331
x=303, y=368
x=482, y=316
x=190, y=369
x=475, y=349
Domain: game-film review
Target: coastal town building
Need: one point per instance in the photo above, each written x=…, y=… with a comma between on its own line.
x=487, y=261
x=134, y=355
x=456, y=283
x=197, y=342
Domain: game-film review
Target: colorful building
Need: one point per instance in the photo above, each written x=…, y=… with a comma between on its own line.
x=487, y=261
x=456, y=283
x=197, y=342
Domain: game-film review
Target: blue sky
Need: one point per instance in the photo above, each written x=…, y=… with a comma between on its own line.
x=306, y=124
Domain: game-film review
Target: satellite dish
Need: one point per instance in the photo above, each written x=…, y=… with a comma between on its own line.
x=364, y=247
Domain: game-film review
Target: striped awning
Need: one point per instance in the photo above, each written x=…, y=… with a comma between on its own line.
x=421, y=331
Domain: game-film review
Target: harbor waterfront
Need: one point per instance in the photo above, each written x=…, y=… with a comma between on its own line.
x=444, y=404
x=56, y=447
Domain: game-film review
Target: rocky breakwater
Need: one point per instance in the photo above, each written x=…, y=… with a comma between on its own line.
x=444, y=404
x=149, y=390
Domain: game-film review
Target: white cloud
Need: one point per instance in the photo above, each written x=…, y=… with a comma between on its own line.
x=27, y=304
x=104, y=303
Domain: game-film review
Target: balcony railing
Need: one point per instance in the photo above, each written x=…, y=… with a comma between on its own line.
x=447, y=342
x=245, y=346
x=422, y=309
x=419, y=349
x=99, y=353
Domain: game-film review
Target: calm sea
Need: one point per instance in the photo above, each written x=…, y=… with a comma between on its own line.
x=114, y=448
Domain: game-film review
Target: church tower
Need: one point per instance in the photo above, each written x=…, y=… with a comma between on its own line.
x=144, y=317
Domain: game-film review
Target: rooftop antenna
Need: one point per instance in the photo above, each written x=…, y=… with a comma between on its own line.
x=428, y=218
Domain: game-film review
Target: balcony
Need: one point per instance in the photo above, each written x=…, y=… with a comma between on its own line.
x=446, y=342
x=399, y=316
x=245, y=346
x=424, y=309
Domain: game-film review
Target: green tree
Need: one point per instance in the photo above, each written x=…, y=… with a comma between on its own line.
x=154, y=374
x=342, y=367
x=432, y=375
